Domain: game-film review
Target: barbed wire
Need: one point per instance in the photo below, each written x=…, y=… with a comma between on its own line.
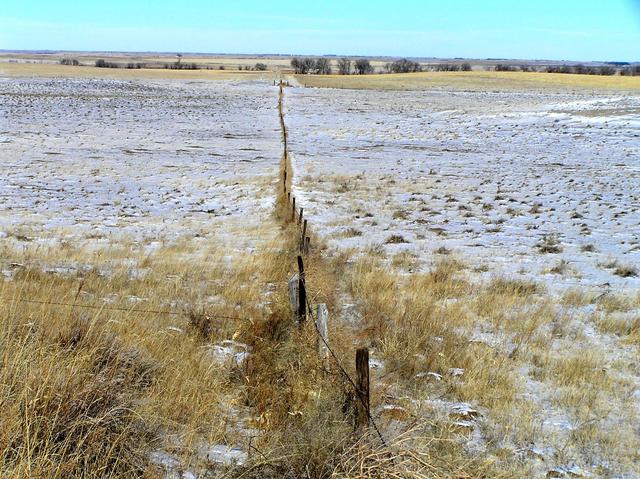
x=116, y=308
x=344, y=371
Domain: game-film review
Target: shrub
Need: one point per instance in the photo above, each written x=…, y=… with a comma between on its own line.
x=260, y=67
x=504, y=68
x=465, y=67
x=447, y=67
x=104, y=64
x=626, y=271
x=631, y=71
x=550, y=244
x=181, y=66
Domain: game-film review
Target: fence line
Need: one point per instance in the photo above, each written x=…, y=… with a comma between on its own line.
x=299, y=298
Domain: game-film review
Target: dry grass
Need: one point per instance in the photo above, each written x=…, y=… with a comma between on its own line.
x=114, y=384
x=424, y=325
x=55, y=70
x=475, y=80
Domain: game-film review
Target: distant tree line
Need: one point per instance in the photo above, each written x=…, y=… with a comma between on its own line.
x=630, y=71
x=581, y=69
x=403, y=66
x=319, y=66
x=181, y=66
x=258, y=67
x=69, y=61
x=570, y=69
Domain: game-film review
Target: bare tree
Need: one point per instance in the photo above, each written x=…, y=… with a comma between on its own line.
x=403, y=66
x=344, y=66
x=363, y=66
x=303, y=66
x=465, y=67
x=323, y=67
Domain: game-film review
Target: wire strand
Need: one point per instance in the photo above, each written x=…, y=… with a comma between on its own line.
x=114, y=308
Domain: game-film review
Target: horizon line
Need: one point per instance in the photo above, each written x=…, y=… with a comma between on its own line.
x=253, y=55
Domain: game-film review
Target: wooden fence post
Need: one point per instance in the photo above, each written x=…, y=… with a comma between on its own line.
x=302, y=293
x=307, y=244
x=362, y=383
x=304, y=235
x=293, y=209
x=293, y=293
x=322, y=324
x=300, y=216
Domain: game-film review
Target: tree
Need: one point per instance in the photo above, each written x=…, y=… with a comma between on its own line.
x=323, y=67
x=403, y=66
x=363, y=66
x=303, y=66
x=260, y=67
x=344, y=66
x=465, y=67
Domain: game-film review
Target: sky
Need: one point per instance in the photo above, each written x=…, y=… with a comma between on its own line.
x=580, y=30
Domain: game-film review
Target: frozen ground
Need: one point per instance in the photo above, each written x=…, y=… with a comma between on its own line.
x=100, y=161
x=493, y=177
x=527, y=185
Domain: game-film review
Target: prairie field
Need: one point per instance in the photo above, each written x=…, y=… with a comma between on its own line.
x=480, y=81
x=478, y=232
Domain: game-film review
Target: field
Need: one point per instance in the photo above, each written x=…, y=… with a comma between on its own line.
x=482, y=81
x=477, y=232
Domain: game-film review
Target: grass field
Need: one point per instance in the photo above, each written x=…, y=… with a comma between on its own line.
x=63, y=71
x=473, y=81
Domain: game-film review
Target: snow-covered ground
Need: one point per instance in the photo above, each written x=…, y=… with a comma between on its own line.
x=491, y=176
x=96, y=160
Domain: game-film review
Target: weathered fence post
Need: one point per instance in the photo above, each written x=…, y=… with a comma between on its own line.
x=304, y=235
x=307, y=244
x=293, y=293
x=322, y=325
x=302, y=293
x=293, y=209
x=300, y=216
x=362, y=383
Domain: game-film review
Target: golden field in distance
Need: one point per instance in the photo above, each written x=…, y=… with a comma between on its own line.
x=473, y=81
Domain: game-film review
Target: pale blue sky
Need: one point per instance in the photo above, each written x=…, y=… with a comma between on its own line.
x=546, y=29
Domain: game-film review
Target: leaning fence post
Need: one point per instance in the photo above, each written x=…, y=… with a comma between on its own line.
x=302, y=293
x=362, y=383
x=322, y=325
x=300, y=216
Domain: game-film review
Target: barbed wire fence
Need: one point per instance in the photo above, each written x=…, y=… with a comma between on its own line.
x=299, y=298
